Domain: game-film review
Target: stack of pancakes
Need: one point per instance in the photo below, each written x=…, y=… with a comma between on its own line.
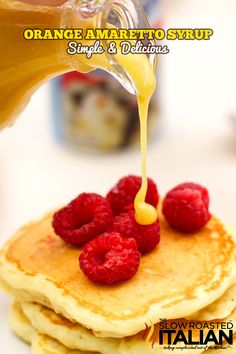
x=187, y=279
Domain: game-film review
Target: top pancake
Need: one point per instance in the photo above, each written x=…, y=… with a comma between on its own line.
x=181, y=276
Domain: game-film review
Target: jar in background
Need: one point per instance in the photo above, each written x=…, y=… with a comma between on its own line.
x=94, y=111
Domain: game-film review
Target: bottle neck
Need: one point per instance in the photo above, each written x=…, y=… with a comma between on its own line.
x=89, y=8
x=125, y=14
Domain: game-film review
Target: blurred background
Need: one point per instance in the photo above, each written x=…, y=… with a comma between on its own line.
x=193, y=134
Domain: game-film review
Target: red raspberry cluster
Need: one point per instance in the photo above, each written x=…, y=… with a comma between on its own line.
x=113, y=241
x=122, y=195
x=185, y=207
x=110, y=258
x=83, y=219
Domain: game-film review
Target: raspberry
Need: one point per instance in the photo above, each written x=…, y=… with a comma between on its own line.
x=109, y=258
x=122, y=195
x=146, y=236
x=195, y=186
x=83, y=219
x=185, y=207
